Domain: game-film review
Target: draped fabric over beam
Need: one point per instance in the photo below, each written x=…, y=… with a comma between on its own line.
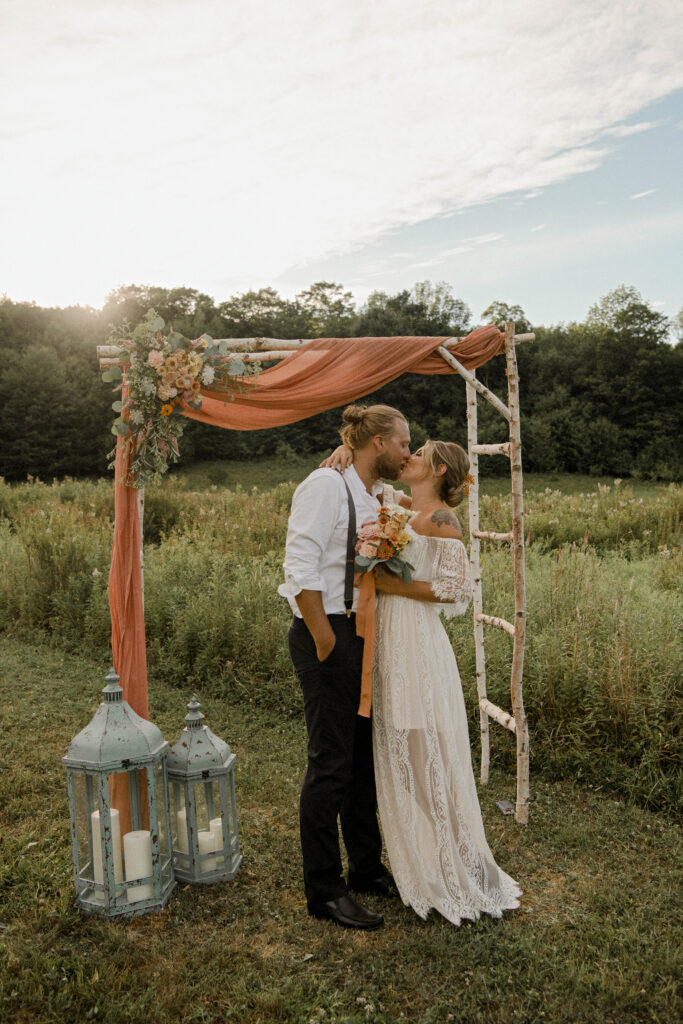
x=321, y=375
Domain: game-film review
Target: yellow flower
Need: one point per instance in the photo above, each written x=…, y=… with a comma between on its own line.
x=166, y=410
x=171, y=363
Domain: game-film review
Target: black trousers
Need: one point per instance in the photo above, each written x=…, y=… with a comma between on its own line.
x=340, y=779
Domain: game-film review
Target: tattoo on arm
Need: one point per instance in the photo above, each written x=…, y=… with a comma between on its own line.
x=442, y=517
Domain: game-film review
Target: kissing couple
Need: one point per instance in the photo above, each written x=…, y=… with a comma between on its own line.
x=411, y=759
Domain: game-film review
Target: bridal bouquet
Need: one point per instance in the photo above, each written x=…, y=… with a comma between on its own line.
x=382, y=542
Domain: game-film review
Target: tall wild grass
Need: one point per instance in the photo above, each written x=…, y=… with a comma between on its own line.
x=604, y=568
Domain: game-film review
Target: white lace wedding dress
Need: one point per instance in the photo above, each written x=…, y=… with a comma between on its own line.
x=425, y=784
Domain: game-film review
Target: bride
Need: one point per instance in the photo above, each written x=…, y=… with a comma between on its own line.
x=426, y=792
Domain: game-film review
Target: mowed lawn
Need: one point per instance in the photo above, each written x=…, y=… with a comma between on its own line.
x=595, y=939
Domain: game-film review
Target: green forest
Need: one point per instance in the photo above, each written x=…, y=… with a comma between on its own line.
x=599, y=397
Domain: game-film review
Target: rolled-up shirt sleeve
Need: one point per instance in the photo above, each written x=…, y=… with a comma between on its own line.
x=311, y=525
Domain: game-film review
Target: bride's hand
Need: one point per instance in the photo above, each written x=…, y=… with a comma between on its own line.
x=341, y=458
x=389, y=582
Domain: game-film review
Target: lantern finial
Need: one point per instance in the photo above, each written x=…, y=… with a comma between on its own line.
x=194, y=716
x=113, y=693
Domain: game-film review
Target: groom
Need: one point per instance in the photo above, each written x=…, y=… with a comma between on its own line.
x=327, y=656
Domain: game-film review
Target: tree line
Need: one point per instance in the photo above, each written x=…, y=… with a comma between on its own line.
x=599, y=397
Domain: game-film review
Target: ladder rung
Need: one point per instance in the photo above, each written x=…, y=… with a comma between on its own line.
x=492, y=449
x=490, y=535
x=498, y=715
x=491, y=620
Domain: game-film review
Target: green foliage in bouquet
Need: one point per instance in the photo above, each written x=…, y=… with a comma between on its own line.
x=164, y=374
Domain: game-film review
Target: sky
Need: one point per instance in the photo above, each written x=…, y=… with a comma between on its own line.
x=527, y=152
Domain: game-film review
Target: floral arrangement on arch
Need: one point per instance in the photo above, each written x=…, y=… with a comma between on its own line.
x=164, y=374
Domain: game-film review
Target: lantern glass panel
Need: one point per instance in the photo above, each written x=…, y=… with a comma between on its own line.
x=161, y=813
x=82, y=824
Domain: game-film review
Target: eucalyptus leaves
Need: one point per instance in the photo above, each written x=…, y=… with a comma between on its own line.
x=164, y=375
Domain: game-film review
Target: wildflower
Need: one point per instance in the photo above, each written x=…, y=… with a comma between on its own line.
x=96, y=573
x=208, y=374
x=195, y=386
x=166, y=410
x=172, y=363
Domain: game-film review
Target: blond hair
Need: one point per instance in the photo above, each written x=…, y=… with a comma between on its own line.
x=363, y=422
x=456, y=460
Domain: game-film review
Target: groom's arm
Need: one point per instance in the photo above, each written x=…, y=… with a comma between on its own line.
x=311, y=525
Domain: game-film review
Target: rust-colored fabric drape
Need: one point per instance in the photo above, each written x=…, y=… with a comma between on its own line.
x=322, y=374
x=329, y=372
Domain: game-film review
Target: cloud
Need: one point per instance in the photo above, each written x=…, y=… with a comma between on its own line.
x=640, y=195
x=622, y=131
x=539, y=227
x=222, y=143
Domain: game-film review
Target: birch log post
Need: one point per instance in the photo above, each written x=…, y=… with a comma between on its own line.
x=475, y=546
x=522, y=729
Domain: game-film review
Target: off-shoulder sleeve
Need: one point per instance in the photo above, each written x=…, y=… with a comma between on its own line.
x=451, y=582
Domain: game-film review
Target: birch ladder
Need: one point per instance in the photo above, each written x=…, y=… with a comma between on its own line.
x=517, y=721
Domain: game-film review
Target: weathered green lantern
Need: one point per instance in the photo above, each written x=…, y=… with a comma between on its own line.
x=201, y=778
x=121, y=854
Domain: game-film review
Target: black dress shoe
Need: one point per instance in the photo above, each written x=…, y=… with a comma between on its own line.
x=383, y=885
x=346, y=912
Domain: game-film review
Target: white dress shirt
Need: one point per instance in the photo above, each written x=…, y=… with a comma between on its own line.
x=315, y=557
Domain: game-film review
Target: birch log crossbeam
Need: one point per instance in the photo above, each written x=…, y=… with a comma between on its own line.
x=497, y=714
x=492, y=620
x=492, y=535
x=253, y=350
x=492, y=449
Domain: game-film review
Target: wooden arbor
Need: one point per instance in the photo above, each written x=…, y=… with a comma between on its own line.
x=269, y=349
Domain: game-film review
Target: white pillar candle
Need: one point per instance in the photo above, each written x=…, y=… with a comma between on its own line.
x=181, y=828
x=216, y=825
x=137, y=849
x=98, y=872
x=206, y=845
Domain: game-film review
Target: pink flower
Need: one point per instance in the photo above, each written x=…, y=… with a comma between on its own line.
x=155, y=358
x=368, y=532
x=367, y=549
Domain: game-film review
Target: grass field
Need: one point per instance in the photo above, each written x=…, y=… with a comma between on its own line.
x=594, y=941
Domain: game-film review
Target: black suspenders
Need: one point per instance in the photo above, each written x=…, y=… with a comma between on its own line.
x=350, y=552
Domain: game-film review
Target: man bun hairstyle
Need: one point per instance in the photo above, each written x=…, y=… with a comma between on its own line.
x=363, y=422
x=453, y=483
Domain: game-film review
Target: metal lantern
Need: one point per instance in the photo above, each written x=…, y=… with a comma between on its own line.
x=201, y=777
x=118, y=806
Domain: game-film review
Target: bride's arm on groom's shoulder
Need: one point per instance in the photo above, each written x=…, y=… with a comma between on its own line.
x=341, y=458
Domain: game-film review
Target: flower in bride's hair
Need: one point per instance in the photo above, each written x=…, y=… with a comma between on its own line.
x=467, y=483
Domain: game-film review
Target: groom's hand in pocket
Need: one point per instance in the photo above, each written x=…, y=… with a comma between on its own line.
x=325, y=646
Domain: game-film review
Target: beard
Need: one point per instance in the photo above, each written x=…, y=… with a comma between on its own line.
x=389, y=466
